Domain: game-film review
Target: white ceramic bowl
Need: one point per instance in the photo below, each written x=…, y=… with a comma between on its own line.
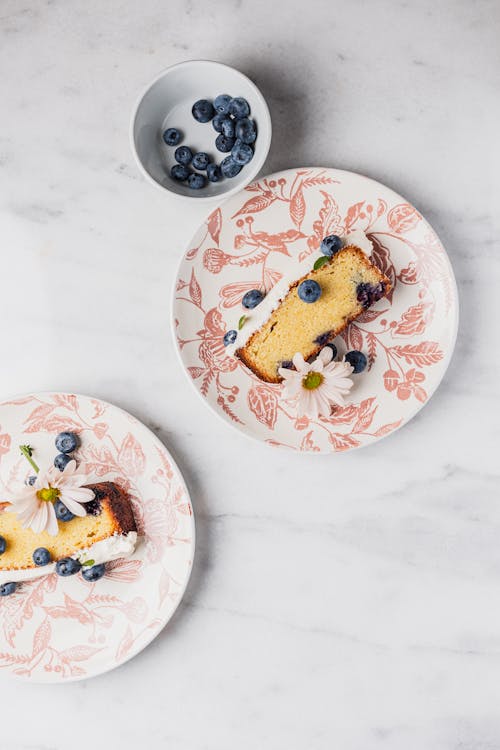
x=167, y=102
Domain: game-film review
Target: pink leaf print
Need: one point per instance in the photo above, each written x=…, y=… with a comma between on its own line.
x=68, y=401
x=136, y=610
x=4, y=443
x=410, y=274
x=329, y=222
x=271, y=278
x=381, y=207
x=125, y=644
x=191, y=254
x=366, y=414
x=343, y=442
x=344, y=414
x=214, y=259
x=425, y=353
x=78, y=653
x=372, y=349
x=194, y=290
x=99, y=408
x=320, y=180
x=53, y=423
x=420, y=394
x=391, y=380
x=308, y=443
x=214, y=224
x=100, y=429
x=414, y=321
x=370, y=315
x=298, y=207
x=131, y=456
x=263, y=402
x=382, y=259
x=125, y=571
x=355, y=337
x=257, y=203
x=387, y=428
x=402, y=218
x=353, y=215
x=42, y=637
x=232, y=294
x=40, y=411
x=196, y=372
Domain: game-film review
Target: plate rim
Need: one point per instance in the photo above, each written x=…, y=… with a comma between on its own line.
x=6, y=675
x=454, y=324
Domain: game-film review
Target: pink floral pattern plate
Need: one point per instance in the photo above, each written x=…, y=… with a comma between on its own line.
x=274, y=228
x=57, y=629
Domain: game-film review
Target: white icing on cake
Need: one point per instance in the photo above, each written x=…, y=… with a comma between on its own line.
x=112, y=548
x=257, y=317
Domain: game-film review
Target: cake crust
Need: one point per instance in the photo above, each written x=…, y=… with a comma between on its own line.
x=243, y=352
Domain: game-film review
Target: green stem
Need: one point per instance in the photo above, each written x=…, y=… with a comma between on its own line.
x=27, y=452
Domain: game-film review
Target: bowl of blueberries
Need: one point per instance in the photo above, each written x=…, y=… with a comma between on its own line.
x=201, y=130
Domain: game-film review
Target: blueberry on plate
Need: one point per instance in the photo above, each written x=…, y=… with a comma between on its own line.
x=241, y=152
x=229, y=167
x=213, y=172
x=94, y=573
x=31, y=480
x=252, y=298
x=62, y=460
x=218, y=121
x=172, y=136
x=245, y=130
x=203, y=110
x=183, y=155
x=196, y=181
x=239, y=107
x=228, y=128
x=6, y=589
x=67, y=566
x=180, y=172
x=3, y=545
x=331, y=245
x=41, y=556
x=357, y=360
x=66, y=442
x=62, y=513
x=201, y=160
x=309, y=290
x=230, y=337
x=222, y=102
x=223, y=143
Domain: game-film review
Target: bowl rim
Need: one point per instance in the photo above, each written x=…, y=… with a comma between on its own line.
x=256, y=165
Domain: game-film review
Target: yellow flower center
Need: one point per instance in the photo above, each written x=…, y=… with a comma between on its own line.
x=312, y=380
x=48, y=494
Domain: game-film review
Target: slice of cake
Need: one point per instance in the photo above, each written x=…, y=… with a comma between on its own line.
x=105, y=533
x=349, y=284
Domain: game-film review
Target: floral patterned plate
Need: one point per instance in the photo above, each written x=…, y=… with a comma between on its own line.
x=59, y=629
x=274, y=228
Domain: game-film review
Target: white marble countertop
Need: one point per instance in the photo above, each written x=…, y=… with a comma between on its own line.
x=345, y=601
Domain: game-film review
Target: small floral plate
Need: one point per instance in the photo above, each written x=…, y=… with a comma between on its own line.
x=274, y=228
x=57, y=629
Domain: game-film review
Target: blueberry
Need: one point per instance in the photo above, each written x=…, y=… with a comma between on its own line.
x=3, y=545
x=228, y=128
x=183, y=155
x=62, y=513
x=331, y=245
x=196, y=181
x=223, y=143
x=66, y=442
x=201, y=160
x=94, y=573
x=367, y=293
x=241, y=152
x=309, y=290
x=61, y=461
x=357, y=360
x=172, y=136
x=333, y=348
x=7, y=589
x=41, y=556
x=245, y=130
x=287, y=364
x=252, y=298
x=322, y=339
x=229, y=168
x=239, y=107
x=67, y=566
x=213, y=172
x=31, y=480
x=222, y=102
x=230, y=337
x=179, y=172
x=218, y=121
x=203, y=110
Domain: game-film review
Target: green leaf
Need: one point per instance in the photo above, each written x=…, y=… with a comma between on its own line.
x=88, y=563
x=321, y=262
x=241, y=322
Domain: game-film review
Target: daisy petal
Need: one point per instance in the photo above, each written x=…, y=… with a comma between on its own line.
x=73, y=506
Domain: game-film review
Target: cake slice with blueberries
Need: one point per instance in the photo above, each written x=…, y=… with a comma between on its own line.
x=313, y=310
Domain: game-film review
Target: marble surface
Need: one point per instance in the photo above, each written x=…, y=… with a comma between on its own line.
x=336, y=601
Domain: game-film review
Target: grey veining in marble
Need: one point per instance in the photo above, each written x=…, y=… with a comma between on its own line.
x=336, y=602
